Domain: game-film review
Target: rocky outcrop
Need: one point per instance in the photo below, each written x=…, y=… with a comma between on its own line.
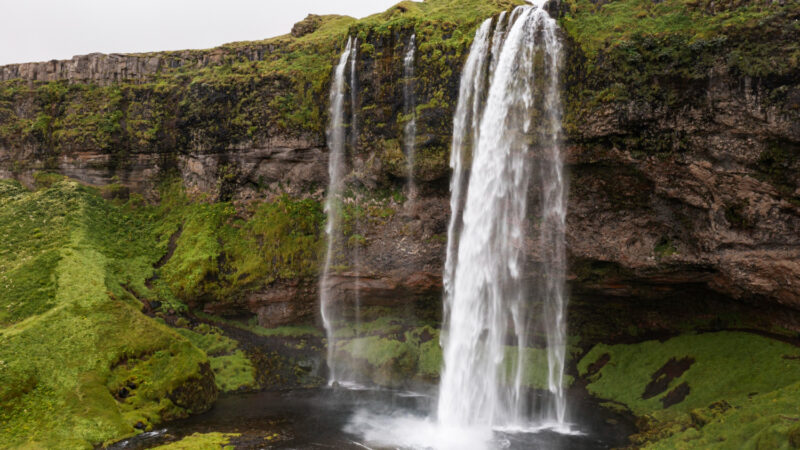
x=720, y=207
x=106, y=69
x=307, y=25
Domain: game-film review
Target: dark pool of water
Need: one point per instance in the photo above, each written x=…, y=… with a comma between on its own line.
x=318, y=418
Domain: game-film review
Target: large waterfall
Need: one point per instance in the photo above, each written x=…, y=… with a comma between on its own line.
x=336, y=134
x=504, y=294
x=506, y=130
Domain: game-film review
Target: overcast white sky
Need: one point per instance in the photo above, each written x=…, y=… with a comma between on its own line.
x=41, y=30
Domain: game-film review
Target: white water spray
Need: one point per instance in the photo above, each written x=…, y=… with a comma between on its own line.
x=514, y=149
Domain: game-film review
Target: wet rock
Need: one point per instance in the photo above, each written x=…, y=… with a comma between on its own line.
x=196, y=394
x=123, y=393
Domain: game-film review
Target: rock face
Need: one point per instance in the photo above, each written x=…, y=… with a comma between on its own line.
x=687, y=185
x=103, y=69
x=720, y=208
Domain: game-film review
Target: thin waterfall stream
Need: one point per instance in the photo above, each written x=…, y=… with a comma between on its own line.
x=410, y=111
x=330, y=307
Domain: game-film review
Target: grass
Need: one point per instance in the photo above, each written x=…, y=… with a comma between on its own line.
x=201, y=441
x=742, y=389
x=728, y=365
x=601, y=25
x=221, y=253
x=393, y=350
x=765, y=421
x=65, y=259
x=294, y=331
x=233, y=371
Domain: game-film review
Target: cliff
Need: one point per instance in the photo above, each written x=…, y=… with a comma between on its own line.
x=681, y=128
x=681, y=132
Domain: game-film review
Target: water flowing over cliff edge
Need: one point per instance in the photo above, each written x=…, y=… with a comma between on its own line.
x=196, y=189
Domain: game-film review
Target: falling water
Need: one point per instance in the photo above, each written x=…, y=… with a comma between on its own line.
x=336, y=160
x=510, y=132
x=353, y=148
x=354, y=94
x=409, y=109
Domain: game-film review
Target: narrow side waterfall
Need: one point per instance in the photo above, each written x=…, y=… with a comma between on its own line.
x=336, y=136
x=506, y=129
x=410, y=111
x=353, y=149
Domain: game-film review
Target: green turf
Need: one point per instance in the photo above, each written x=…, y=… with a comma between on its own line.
x=201, y=441
x=743, y=389
x=74, y=337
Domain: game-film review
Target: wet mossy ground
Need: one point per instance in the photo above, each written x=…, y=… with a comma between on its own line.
x=201, y=441
x=708, y=390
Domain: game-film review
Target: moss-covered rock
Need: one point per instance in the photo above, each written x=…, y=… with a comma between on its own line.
x=201, y=441
x=710, y=390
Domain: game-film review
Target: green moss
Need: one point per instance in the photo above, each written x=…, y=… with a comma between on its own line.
x=598, y=25
x=250, y=91
x=633, y=52
x=430, y=358
x=201, y=441
x=665, y=247
x=218, y=255
x=728, y=366
x=209, y=339
x=283, y=331
x=393, y=350
x=535, y=374
x=380, y=351
x=765, y=421
x=233, y=371
x=65, y=357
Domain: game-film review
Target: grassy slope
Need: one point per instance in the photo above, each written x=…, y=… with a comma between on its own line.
x=73, y=267
x=755, y=376
x=70, y=336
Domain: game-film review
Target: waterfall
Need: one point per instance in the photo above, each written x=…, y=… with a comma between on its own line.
x=336, y=136
x=506, y=127
x=410, y=111
x=353, y=148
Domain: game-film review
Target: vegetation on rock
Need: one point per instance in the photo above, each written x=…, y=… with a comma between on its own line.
x=724, y=389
